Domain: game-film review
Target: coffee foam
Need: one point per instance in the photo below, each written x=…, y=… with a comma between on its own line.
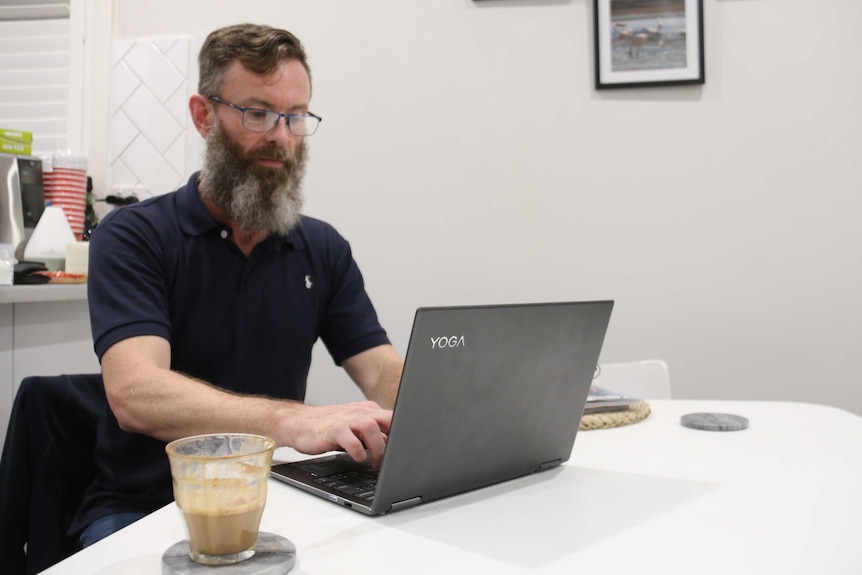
x=219, y=496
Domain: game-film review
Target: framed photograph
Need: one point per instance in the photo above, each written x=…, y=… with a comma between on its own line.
x=648, y=43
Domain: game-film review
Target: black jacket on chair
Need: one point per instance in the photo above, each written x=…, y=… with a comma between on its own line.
x=47, y=463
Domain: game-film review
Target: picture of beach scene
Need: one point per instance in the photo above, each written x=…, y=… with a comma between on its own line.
x=648, y=35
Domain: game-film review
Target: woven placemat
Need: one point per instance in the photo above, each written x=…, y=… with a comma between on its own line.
x=633, y=414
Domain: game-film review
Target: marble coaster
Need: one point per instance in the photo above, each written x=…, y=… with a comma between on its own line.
x=714, y=421
x=273, y=555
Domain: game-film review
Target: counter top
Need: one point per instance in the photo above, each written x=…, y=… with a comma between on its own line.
x=42, y=293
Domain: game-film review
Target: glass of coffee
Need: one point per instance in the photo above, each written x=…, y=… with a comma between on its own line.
x=220, y=486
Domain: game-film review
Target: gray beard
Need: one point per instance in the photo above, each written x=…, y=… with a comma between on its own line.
x=254, y=197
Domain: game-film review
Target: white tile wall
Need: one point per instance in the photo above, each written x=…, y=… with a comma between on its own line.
x=149, y=124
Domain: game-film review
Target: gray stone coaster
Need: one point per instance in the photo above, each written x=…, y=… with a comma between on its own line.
x=273, y=555
x=714, y=421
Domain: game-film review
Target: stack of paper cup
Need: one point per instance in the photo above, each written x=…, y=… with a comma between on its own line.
x=66, y=187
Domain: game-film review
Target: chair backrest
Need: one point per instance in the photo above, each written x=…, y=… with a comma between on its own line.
x=646, y=379
x=47, y=462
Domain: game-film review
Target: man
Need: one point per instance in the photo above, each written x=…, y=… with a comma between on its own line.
x=205, y=303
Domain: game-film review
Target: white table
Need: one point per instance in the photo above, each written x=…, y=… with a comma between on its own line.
x=784, y=496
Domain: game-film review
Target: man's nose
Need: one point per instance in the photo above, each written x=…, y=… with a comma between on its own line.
x=282, y=136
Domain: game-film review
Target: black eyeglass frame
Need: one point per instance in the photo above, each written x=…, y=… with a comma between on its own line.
x=279, y=116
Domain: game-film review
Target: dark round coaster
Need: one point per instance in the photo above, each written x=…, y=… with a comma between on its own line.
x=714, y=421
x=273, y=555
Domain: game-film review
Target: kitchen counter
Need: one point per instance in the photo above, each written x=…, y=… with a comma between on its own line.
x=42, y=293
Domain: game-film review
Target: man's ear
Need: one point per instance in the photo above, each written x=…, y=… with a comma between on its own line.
x=202, y=113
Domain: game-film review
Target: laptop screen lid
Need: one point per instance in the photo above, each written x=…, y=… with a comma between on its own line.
x=488, y=394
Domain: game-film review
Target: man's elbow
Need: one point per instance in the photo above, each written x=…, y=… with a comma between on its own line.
x=126, y=416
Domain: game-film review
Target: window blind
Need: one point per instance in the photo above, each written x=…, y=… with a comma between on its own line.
x=32, y=9
x=34, y=80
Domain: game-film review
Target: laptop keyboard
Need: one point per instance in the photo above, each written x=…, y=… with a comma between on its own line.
x=358, y=482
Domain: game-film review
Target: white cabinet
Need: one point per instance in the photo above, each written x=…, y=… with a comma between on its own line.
x=44, y=330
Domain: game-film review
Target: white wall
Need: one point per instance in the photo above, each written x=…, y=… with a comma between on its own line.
x=722, y=219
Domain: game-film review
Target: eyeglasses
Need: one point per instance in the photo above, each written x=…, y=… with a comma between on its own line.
x=260, y=120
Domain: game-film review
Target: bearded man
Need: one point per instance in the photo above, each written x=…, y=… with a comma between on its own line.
x=205, y=302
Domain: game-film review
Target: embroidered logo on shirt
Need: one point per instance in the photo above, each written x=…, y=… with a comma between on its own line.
x=308, y=283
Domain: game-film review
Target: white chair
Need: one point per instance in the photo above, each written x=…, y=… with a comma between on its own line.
x=647, y=379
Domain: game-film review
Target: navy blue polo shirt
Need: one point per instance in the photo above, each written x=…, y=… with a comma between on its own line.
x=167, y=267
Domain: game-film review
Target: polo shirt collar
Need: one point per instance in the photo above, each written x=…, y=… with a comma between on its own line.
x=195, y=219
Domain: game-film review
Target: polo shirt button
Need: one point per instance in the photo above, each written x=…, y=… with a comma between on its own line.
x=224, y=234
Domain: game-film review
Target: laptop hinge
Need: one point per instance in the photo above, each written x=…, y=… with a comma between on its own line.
x=406, y=503
x=549, y=464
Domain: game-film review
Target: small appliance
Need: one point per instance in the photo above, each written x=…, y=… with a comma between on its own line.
x=22, y=199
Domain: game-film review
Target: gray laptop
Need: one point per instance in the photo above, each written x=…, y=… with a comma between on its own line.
x=488, y=394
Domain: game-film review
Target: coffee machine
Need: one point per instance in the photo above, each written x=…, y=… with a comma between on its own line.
x=22, y=199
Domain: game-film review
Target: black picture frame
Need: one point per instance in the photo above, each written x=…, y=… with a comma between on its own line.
x=644, y=43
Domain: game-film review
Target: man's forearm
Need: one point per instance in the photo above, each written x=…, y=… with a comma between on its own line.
x=168, y=405
x=385, y=392
x=377, y=372
x=148, y=398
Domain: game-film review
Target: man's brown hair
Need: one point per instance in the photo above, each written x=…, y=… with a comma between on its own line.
x=260, y=49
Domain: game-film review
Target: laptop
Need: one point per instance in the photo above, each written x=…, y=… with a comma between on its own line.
x=488, y=394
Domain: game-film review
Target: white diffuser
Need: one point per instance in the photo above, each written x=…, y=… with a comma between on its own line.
x=50, y=237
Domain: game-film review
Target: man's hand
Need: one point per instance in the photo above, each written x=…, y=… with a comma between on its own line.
x=353, y=427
